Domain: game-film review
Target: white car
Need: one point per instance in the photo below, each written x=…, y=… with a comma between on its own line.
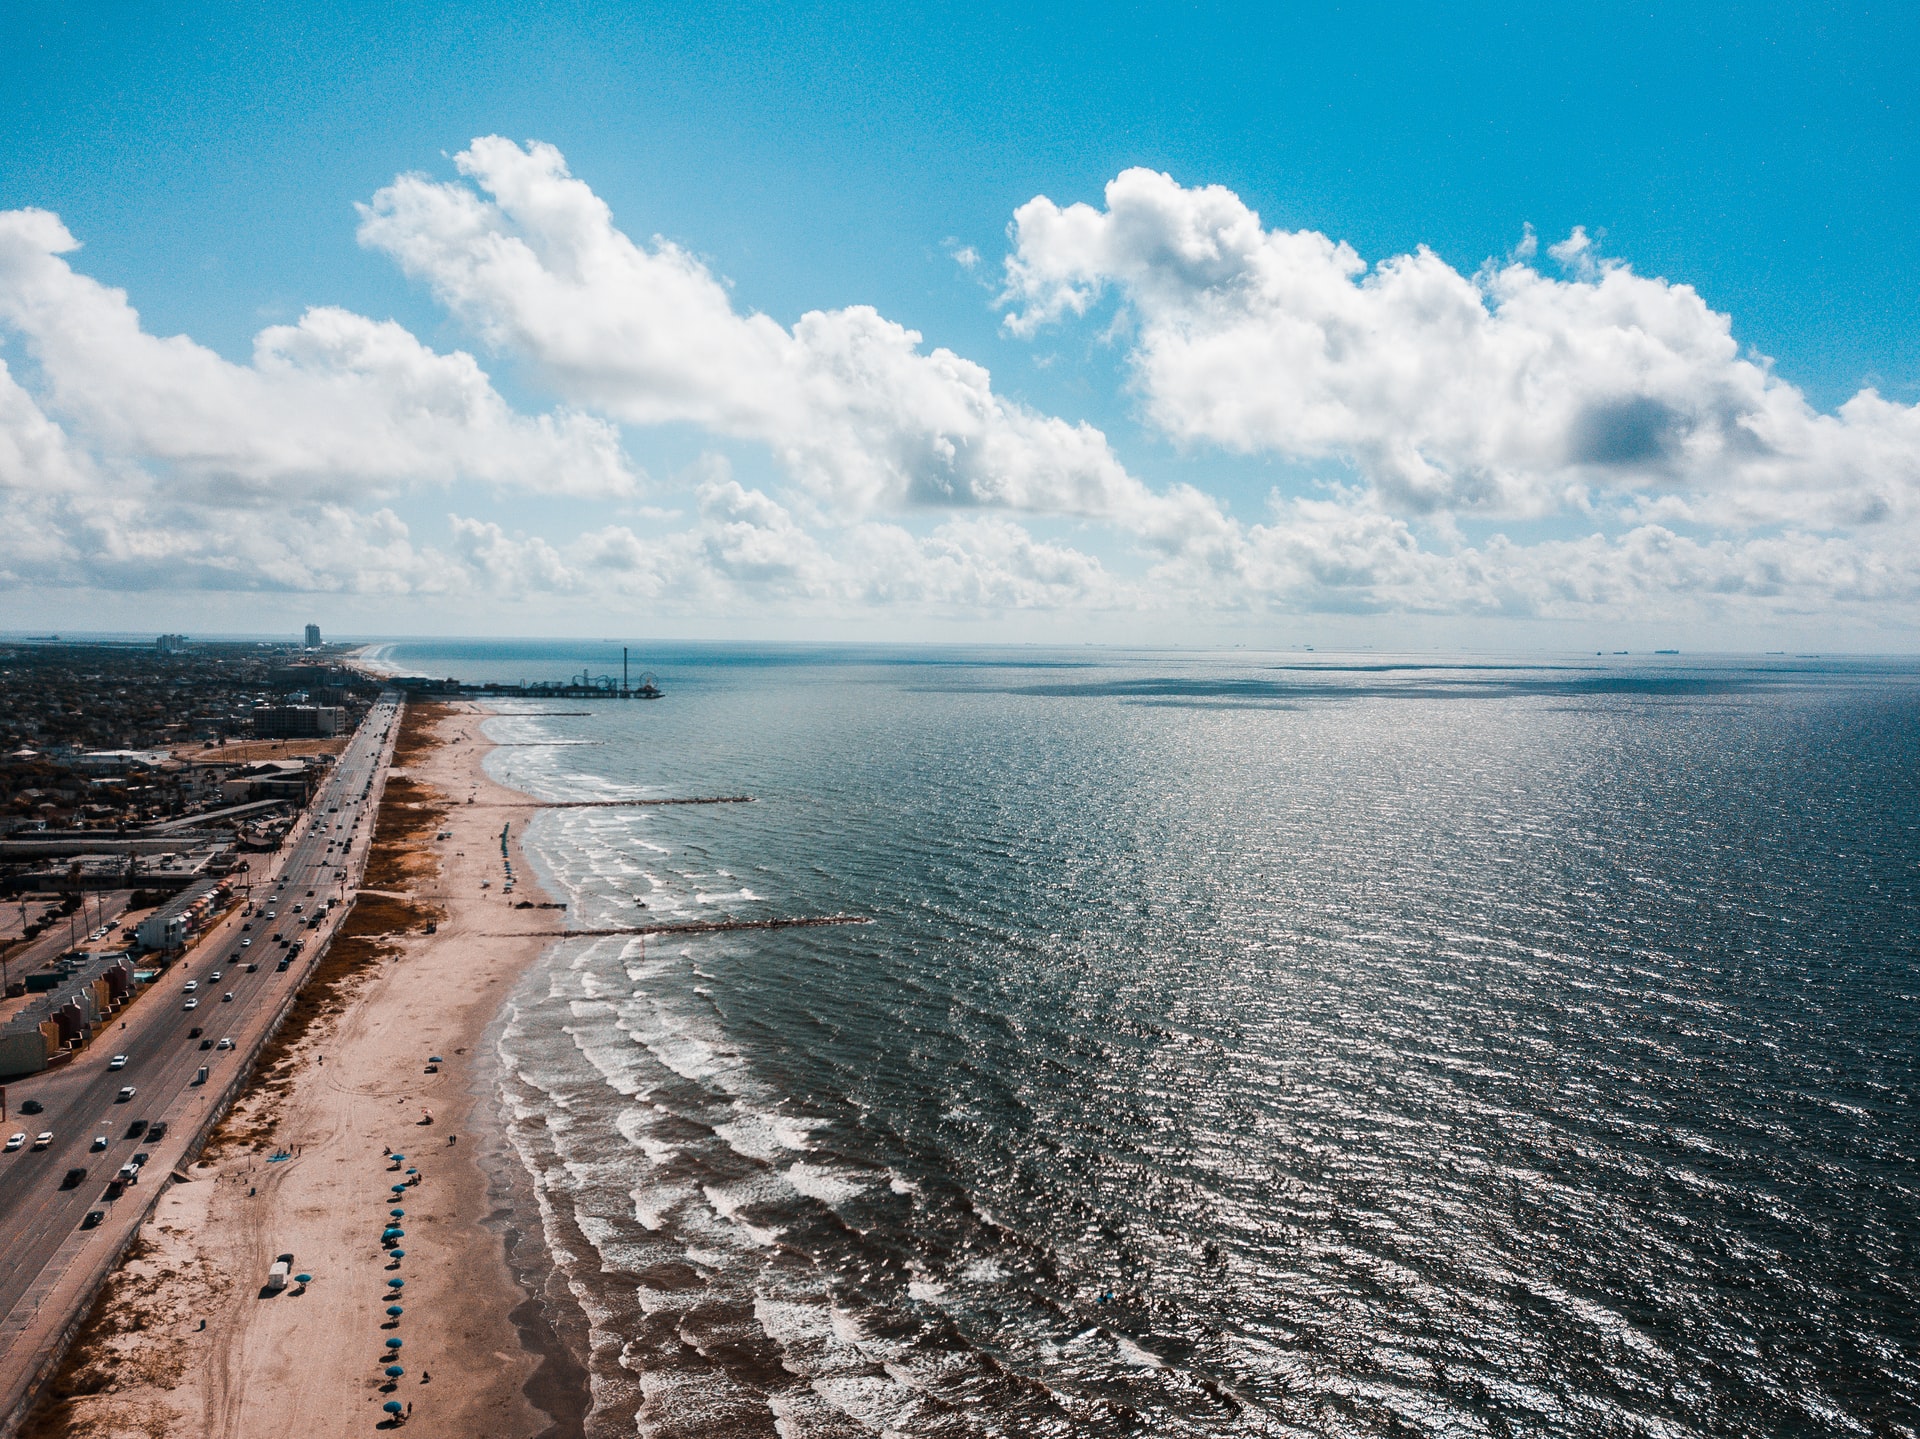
x=246, y=944
x=125, y=1094
x=191, y=1004
x=43, y=1139
x=119, y=1061
x=191, y=986
x=214, y=976
x=99, y=1143
x=14, y=1141
x=224, y=1044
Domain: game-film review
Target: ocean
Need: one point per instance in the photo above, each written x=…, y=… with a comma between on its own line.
x=1242, y=1044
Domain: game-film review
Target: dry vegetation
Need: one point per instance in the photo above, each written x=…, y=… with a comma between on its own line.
x=127, y=1340
x=131, y=1340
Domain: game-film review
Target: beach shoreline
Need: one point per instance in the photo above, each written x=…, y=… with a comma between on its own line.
x=185, y=1340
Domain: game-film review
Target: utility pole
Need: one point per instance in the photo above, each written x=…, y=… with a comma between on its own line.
x=623, y=671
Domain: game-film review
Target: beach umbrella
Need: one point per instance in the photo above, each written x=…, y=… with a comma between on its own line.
x=395, y=1310
x=413, y=1171
x=303, y=1279
x=398, y=1213
x=398, y=1253
x=394, y=1371
x=393, y=1343
x=398, y=1188
x=397, y=1158
x=395, y=1283
x=391, y=1232
x=393, y=1406
x=434, y=1059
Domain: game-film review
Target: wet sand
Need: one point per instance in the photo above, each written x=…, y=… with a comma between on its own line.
x=474, y=1345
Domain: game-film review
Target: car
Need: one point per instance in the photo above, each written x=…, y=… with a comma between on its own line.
x=115, y=1188
x=156, y=1132
x=309, y=894
x=43, y=1139
x=119, y=1061
x=142, y=1157
x=125, y=1094
x=245, y=942
x=224, y=1044
x=227, y=998
x=206, y=1044
x=253, y=969
x=100, y=1142
x=136, y=1129
x=190, y=986
x=245, y=927
x=93, y=1219
x=191, y=1004
x=129, y=1173
x=298, y=907
x=214, y=977
x=74, y=1177
x=31, y=1106
x=195, y=1032
x=15, y=1141
x=273, y=914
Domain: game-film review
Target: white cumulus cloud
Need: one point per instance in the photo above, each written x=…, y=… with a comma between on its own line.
x=1508, y=392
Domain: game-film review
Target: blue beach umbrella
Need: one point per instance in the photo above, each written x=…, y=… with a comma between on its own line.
x=390, y=1232
x=434, y=1059
x=393, y=1343
x=395, y=1283
x=398, y=1158
x=393, y=1406
x=398, y=1213
x=398, y=1253
x=398, y=1188
x=395, y=1310
x=303, y=1279
x=394, y=1371
x=412, y=1171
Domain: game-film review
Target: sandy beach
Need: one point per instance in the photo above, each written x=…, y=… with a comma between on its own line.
x=185, y=1341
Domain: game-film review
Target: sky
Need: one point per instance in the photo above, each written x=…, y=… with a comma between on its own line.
x=1584, y=327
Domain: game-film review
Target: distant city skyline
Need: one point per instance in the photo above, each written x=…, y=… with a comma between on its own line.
x=1181, y=327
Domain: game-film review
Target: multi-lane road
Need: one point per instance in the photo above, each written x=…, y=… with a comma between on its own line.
x=51, y=1261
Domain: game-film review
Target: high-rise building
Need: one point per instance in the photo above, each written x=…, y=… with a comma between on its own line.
x=313, y=637
x=170, y=644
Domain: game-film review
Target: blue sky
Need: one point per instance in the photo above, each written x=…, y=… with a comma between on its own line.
x=210, y=160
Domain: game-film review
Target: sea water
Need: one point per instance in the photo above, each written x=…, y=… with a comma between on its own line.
x=1277, y=1044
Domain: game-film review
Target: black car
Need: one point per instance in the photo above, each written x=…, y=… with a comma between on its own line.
x=92, y=1221
x=195, y=1032
x=31, y=1106
x=74, y=1178
x=156, y=1132
x=206, y=1044
x=115, y=1188
x=136, y=1129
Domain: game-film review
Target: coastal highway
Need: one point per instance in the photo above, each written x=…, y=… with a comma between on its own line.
x=51, y=1261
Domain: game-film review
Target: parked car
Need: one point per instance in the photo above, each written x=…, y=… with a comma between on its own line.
x=129, y=1173
x=93, y=1219
x=156, y=1132
x=224, y=1044
x=114, y=1189
x=119, y=1061
x=31, y=1106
